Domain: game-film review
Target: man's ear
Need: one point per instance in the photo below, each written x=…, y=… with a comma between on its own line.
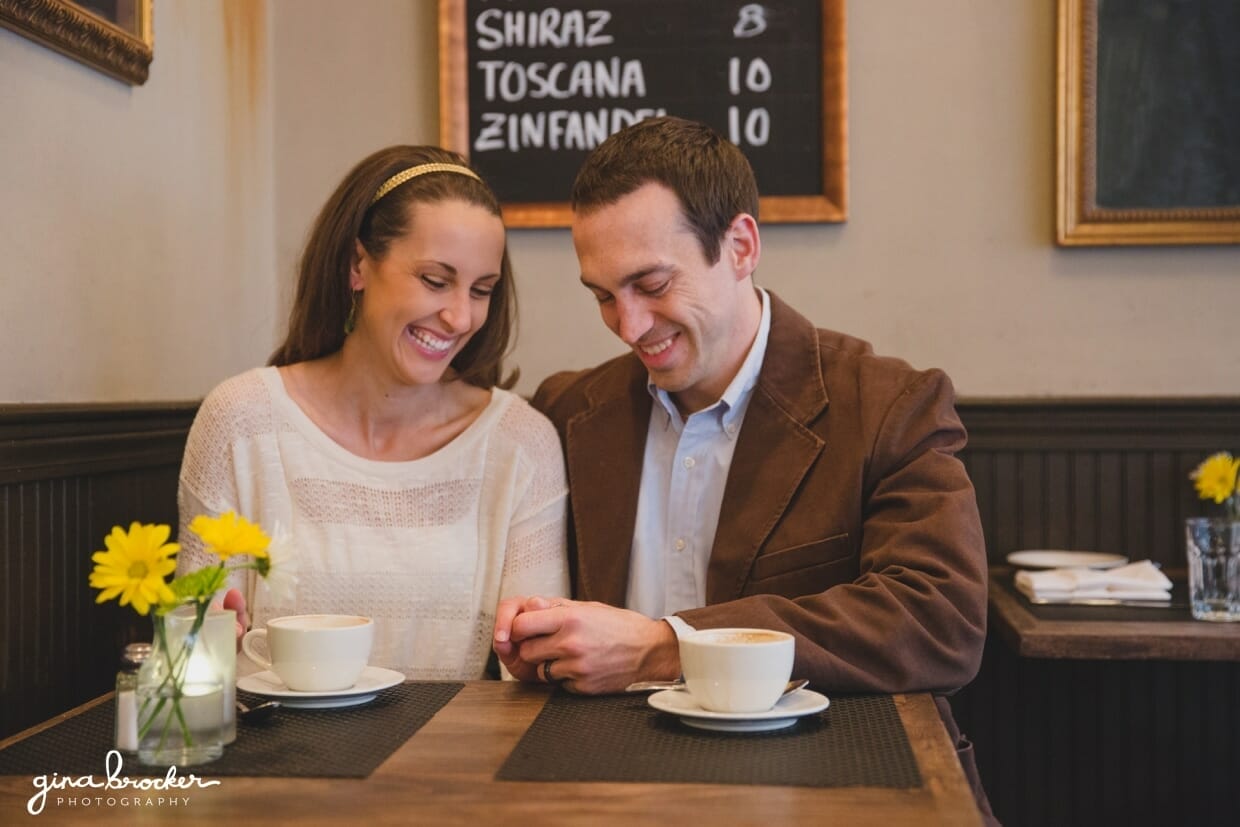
x=743, y=245
x=357, y=281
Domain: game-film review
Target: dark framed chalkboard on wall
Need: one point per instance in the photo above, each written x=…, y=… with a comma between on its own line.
x=1148, y=122
x=528, y=87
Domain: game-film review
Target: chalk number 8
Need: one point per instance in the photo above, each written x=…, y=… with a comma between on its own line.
x=751, y=21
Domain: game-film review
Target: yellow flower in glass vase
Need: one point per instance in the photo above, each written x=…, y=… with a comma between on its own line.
x=229, y=534
x=180, y=691
x=1216, y=479
x=134, y=566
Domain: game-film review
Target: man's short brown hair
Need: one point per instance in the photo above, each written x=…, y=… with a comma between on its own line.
x=709, y=175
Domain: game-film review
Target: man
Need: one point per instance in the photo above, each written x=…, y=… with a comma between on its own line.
x=740, y=467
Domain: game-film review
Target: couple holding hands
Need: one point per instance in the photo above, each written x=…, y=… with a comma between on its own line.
x=737, y=467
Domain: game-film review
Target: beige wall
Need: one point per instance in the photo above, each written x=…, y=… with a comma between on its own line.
x=349, y=79
x=143, y=260
x=135, y=222
x=947, y=258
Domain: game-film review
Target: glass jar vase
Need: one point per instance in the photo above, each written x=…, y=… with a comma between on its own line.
x=180, y=696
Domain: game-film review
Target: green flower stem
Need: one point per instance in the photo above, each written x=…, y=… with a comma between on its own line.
x=174, y=676
x=197, y=588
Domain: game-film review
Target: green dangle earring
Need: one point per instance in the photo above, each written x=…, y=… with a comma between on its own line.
x=350, y=322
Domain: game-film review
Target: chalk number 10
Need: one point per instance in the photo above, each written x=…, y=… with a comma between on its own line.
x=754, y=126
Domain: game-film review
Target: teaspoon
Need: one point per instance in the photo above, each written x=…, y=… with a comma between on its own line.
x=258, y=713
x=647, y=686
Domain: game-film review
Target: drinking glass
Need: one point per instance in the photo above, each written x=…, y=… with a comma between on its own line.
x=1214, y=568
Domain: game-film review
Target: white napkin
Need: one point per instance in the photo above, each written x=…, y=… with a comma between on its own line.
x=1136, y=581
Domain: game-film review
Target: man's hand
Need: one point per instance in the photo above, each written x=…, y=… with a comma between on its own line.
x=590, y=648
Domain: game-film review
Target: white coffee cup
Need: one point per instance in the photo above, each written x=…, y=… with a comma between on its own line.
x=736, y=670
x=314, y=653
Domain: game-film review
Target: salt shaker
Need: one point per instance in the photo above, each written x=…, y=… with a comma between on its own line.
x=127, y=696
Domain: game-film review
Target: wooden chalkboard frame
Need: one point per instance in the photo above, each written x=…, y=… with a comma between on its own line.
x=829, y=205
x=1080, y=221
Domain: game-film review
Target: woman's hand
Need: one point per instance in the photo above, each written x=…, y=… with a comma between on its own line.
x=235, y=600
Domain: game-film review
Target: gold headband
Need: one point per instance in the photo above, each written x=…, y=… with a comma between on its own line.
x=421, y=169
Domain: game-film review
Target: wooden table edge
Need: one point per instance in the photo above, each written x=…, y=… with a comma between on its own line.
x=1032, y=637
x=942, y=775
x=54, y=720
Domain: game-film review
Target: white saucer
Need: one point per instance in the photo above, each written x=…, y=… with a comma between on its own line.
x=1049, y=559
x=372, y=680
x=785, y=712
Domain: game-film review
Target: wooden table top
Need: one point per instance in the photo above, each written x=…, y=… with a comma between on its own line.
x=444, y=775
x=1142, y=634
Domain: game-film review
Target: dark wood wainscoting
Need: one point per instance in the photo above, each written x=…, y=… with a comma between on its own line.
x=1099, y=742
x=1096, y=475
x=68, y=473
x=1092, y=742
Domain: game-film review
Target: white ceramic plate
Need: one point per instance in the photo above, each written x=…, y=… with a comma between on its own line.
x=372, y=680
x=1048, y=559
x=785, y=713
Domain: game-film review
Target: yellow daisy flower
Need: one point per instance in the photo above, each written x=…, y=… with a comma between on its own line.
x=134, y=566
x=1215, y=478
x=230, y=534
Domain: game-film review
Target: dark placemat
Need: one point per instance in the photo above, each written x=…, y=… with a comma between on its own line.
x=326, y=743
x=1158, y=614
x=857, y=741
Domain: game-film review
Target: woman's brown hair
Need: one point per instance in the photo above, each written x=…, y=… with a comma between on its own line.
x=324, y=296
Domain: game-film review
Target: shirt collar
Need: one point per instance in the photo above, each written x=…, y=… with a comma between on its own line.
x=733, y=401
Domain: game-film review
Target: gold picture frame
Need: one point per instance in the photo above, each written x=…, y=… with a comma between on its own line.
x=114, y=37
x=1080, y=219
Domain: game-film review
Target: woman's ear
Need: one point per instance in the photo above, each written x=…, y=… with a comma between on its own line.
x=744, y=245
x=357, y=278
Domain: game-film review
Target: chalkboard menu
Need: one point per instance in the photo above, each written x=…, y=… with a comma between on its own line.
x=1168, y=115
x=1148, y=122
x=529, y=87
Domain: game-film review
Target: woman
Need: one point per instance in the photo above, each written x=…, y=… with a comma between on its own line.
x=416, y=489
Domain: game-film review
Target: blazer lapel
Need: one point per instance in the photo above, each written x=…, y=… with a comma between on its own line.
x=772, y=456
x=773, y=453
x=605, y=448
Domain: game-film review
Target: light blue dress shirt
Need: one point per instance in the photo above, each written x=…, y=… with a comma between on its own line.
x=684, y=471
